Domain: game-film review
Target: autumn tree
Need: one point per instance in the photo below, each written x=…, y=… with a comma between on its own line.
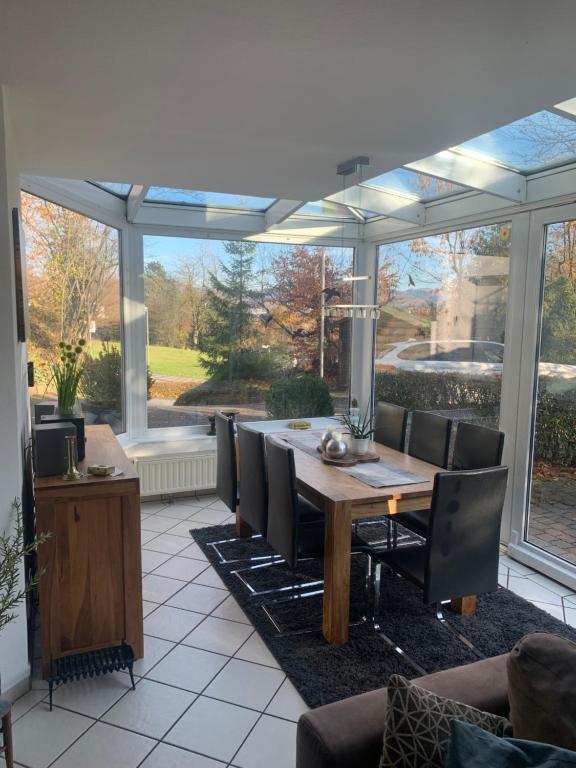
x=72, y=264
x=294, y=301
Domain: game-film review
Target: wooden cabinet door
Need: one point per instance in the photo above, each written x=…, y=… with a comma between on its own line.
x=81, y=592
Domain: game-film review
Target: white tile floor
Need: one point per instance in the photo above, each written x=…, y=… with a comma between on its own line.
x=209, y=693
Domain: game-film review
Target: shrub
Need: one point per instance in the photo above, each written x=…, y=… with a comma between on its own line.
x=297, y=397
x=257, y=364
x=102, y=382
x=219, y=393
x=420, y=390
x=555, y=427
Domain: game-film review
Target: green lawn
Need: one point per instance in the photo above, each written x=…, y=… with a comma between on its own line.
x=175, y=362
x=169, y=361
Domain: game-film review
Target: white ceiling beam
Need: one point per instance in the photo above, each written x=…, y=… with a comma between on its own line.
x=134, y=200
x=280, y=211
x=379, y=201
x=474, y=173
x=565, y=109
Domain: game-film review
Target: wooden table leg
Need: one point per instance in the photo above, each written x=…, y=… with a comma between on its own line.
x=243, y=530
x=466, y=606
x=337, y=537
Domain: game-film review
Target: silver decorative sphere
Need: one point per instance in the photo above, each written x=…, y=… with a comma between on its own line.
x=336, y=449
x=326, y=437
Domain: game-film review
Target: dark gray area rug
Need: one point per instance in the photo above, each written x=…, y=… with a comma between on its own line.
x=323, y=673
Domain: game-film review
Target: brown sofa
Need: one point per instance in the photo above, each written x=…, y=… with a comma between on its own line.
x=348, y=733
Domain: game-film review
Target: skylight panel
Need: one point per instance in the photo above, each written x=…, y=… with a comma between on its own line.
x=325, y=209
x=413, y=184
x=207, y=199
x=535, y=143
x=120, y=190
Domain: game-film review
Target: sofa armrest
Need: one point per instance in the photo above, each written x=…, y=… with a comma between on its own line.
x=348, y=733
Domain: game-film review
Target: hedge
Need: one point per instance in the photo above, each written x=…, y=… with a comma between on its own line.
x=419, y=390
x=297, y=397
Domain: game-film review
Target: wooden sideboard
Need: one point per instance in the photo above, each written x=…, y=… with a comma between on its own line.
x=91, y=589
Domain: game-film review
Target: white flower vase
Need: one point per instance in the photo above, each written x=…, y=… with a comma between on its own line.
x=359, y=446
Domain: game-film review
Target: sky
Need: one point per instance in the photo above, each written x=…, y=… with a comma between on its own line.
x=170, y=251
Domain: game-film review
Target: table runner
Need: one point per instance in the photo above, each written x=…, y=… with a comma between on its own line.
x=375, y=474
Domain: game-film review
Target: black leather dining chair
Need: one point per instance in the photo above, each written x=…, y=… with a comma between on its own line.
x=390, y=425
x=460, y=556
x=294, y=527
x=475, y=447
x=254, y=500
x=390, y=430
x=429, y=438
x=226, y=467
x=252, y=461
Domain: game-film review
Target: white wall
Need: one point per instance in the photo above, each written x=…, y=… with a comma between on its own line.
x=14, y=667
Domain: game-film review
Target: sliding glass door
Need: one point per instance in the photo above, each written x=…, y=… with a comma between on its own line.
x=551, y=520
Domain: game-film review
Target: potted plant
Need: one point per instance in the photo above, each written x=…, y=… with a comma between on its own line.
x=67, y=374
x=359, y=428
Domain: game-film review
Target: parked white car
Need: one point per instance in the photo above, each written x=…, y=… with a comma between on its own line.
x=476, y=358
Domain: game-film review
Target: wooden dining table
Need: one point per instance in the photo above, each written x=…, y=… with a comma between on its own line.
x=344, y=499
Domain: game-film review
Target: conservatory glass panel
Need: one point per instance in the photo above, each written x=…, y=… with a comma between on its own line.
x=120, y=190
x=534, y=143
x=325, y=209
x=550, y=523
x=230, y=322
x=205, y=199
x=440, y=336
x=414, y=184
x=73, y=279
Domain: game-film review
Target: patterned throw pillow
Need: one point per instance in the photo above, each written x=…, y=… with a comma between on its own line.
x=417, y=732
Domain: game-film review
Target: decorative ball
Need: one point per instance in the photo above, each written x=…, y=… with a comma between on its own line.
x=336, y=449
x=326, y=437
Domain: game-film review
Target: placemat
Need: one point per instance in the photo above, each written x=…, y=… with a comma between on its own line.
x=377, y=475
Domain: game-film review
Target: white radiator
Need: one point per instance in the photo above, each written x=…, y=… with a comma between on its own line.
x=176, y=473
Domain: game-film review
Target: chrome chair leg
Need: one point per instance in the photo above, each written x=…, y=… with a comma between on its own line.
x=248, y=559
x=446, y=624
x=278, y=560
x=301, y=593
x=376, y=583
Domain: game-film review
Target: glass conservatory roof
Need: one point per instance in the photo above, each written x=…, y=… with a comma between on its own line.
x=535, y=143
x=326, y=209
x=120, y=190
x=499, y=162
x=420, y=186
x=207, y=199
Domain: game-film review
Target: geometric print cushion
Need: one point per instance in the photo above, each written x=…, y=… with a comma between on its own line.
x=417, y=731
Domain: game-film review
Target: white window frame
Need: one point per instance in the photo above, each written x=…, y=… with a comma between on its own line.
x=518, y=546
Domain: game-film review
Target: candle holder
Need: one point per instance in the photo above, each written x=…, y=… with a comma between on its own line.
x=72, y=472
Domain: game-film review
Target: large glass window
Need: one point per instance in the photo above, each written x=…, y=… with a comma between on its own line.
x=440, y=336
x=229, y=322
x=551, y=523
x=73, y=280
